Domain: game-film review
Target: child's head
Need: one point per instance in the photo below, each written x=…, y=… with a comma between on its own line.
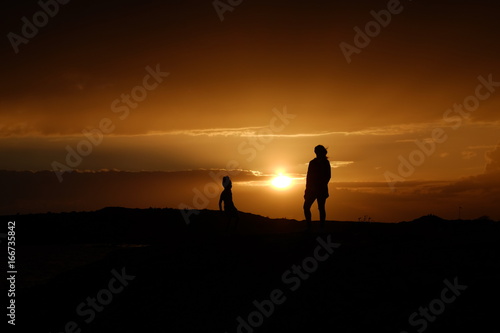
x=320, y=151
x=226, y=182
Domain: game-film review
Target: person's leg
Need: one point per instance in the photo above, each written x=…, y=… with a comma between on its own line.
x=308, y=201
x=322, y=211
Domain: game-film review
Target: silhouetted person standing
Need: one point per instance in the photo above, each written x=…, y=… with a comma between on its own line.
x=318, y=175
x=227, y=197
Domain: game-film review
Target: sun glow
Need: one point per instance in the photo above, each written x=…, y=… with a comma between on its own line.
x=281, y=181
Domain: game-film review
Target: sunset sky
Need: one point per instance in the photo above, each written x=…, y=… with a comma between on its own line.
x=170, y=93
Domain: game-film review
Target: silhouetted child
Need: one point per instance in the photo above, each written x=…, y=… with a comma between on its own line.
x=318, y=176
x=227, y=197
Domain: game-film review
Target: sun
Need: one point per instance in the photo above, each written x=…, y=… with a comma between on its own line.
x=281, y=182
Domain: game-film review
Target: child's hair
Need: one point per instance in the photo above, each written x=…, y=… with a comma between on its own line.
x=226, y=182
x=320, y=150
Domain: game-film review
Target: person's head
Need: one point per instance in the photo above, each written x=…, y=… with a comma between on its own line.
x=226, y=182
x=320, y=151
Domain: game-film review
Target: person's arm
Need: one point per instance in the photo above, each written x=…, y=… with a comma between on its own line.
x=324, y=170
x=309, y=173
x=220, y=202
x=329, y=172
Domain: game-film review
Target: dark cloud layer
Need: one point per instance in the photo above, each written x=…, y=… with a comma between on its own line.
x=493, y=160
x=40, y=192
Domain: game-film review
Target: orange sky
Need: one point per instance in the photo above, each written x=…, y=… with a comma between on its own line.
x=260, y=88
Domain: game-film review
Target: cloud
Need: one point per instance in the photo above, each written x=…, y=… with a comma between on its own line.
x=238, y=131
x=482, y=147
x=389, y=130
x=482, y=186
x=468, y=154
x=338, y=164
x=257, y=131
x=26, y=121
x=493, y=160
x=18, y=129
x=92, y=190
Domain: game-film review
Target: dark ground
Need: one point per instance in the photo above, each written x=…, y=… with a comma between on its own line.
x=199, y=278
